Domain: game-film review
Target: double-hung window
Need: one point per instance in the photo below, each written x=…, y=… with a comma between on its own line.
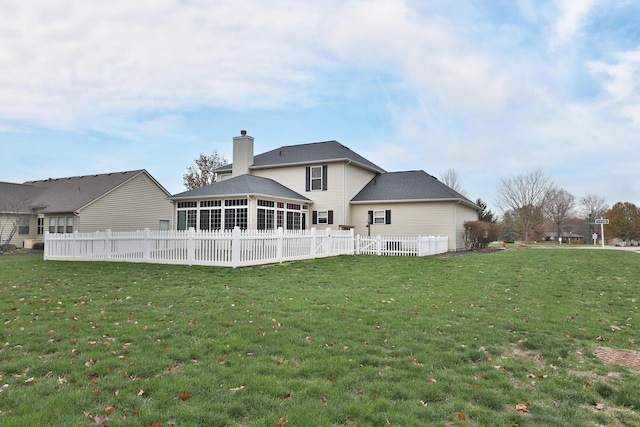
x=23, y=225
x=316, y=177
x=380, y=217
x=322, y=217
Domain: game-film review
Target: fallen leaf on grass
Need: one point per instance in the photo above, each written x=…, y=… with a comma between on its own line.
x=234, y=389
x=282, y=421
x=520, y=407
x=285, y=396
x=110, y=409
x=462, y=417
x=185, y=396
x=324, y=401
x=599, y=406
x=431, y=380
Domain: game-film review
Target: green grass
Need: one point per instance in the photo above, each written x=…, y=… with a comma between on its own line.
x=366, y=341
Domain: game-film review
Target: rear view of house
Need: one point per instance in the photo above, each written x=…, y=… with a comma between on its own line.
x=322, y=185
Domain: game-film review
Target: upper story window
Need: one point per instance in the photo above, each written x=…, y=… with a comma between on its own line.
x=316, y=178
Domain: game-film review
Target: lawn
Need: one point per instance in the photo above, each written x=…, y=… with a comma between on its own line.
x=501, y=339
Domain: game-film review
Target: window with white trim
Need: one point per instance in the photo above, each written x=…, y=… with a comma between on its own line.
x=380, y=217
x=316, y=177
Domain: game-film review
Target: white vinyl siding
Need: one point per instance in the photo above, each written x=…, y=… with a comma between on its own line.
x=137, y=204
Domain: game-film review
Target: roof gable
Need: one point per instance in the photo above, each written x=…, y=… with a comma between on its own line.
x=316, y=152
x=241, y=186
x=407, y=186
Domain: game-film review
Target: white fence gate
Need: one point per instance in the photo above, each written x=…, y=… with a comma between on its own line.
x=229, y=248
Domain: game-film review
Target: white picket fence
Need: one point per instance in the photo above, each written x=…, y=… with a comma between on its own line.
x=401, y=246
x=232, y=248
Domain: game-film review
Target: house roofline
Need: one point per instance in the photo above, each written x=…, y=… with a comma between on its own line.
x=239, y=195
x=320, y=161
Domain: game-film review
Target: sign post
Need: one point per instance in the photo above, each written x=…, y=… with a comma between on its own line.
x=602, y=222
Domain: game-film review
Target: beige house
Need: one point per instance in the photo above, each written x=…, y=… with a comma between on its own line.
x=323, y=185
x=120, y=201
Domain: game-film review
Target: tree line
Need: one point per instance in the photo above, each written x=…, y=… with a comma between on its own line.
x=531, y=204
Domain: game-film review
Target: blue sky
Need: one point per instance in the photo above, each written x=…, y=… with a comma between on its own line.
x=490, y=89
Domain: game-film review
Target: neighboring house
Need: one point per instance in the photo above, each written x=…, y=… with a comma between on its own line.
x=323, y=185
x=567, y=237
x=120, y=201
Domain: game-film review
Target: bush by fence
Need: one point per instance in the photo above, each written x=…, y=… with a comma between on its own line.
x=479, y=234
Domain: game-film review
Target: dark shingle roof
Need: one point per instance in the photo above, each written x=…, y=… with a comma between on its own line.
x=241, y=186
x=316, y=152
x=73, y=193
x=407, y=186
x=17, y=198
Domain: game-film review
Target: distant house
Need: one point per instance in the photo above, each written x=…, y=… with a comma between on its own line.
x=566, y=236
x=323, y=185
x=121, y=201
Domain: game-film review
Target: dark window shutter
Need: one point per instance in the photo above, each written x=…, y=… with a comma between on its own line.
x=330, y=219
x=315, y=217
x=370, y=217
x=387, y=217
x=324, y=177
x=308, y=179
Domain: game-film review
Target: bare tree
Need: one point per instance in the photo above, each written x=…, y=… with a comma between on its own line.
x=450, y=179
x=202, y=173
x=594, y=205
x=559, y=207
x=524, y=195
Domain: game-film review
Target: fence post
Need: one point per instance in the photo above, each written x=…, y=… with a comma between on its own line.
x=235, y=247
x=74, y=245
x=357, y=250
x=328, y=242
x=279, y=243
x=313, y=242
x=145, y=246
x=378, y=245
x=191, y=245
x=107, y=244
x=352, y=235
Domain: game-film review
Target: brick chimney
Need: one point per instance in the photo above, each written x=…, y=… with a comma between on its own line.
x=242, y=153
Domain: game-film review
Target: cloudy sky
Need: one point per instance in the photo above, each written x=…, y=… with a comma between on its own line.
x=490, y=89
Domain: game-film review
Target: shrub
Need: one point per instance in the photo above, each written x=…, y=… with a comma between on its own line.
x=38, y=246
x=478, y=234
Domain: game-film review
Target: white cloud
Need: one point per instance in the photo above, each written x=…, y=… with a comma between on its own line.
x=571, y=18
x=68, y=61
x=423, y=51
